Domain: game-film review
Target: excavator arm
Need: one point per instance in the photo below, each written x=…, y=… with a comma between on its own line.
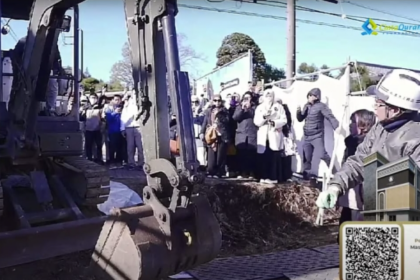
x=174, y=230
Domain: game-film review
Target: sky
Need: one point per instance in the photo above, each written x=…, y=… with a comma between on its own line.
x=103, y=24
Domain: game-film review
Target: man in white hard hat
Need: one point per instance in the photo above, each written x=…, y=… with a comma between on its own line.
x=396, y=134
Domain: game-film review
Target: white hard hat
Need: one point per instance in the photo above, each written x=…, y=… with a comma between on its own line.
x=83, y=98
x=400, y=88
x=194, y=98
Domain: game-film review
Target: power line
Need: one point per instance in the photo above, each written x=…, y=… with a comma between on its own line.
x=282, y=5
x=284, y=18
x=380, y=11
x=11, y=31
x=305, y=9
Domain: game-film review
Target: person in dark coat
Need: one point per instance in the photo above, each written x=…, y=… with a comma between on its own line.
x=231, y=158
x=352, y=201
x=246, y=136
x=314, y=113
x=217, y=117
x=286, y=165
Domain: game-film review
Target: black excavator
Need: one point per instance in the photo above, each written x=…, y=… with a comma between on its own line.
x=49, y=192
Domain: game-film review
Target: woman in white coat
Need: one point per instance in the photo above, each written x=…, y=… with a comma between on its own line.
x=269, y=117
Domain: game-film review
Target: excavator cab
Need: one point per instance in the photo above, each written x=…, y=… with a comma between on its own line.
x=58, y=134
x=174, y=229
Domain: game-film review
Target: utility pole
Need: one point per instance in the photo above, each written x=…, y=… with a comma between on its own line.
x=291, y=41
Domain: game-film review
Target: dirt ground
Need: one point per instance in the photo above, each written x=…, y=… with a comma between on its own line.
x=254, y=219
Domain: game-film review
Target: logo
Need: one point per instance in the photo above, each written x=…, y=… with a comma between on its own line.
x=369, y=26
x=372, y=28
x=391, y=179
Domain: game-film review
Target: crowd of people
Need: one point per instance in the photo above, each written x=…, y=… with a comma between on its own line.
x=114, y=125
x=251, y=135
x=244, y=135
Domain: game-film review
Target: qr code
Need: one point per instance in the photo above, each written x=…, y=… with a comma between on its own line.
x=371, y=252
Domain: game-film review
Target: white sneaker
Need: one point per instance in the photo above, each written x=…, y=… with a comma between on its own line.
x=216, y=177
x=271, y=181
x=240, y=177
x=262, y=181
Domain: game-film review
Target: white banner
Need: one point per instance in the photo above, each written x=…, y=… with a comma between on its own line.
x=228, y=79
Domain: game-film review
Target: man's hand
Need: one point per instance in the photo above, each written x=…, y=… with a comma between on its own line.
x=201, y=137
x=328, y=199
x=299, y=109
x=124, y=134
x=118, y=110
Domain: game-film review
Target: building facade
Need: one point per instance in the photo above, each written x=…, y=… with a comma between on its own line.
x=391, y=190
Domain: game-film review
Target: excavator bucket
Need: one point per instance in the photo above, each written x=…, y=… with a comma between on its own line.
x=133, y=246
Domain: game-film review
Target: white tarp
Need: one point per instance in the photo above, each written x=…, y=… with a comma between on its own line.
x=235, y=76
x=334, y=94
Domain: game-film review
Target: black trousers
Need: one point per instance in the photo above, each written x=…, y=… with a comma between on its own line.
x=216, y=159
x=286, y=168
x=246, y=159
x=314, y=147
x=115, y=146
x=270, y=165
x=347, y=215
x=93, y=139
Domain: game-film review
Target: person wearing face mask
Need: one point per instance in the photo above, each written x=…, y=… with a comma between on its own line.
x=231, y=159
x=246, y=137
x=351, y=202
x=217, y=119
x=90, y=114
x=314, y=113
x=198, y=118
x=269, y=117
x=395, y=135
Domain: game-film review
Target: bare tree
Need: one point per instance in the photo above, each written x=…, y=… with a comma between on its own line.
x=121, y=71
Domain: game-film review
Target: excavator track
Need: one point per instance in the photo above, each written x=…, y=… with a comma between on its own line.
x=87, y=180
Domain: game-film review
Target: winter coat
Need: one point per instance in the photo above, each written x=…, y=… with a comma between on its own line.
x=314, y=115
x=223, y=120
x=246, y=132
x=288, y=127
x=266, y=131
x=232, y=125
x=352, y=198
x=393, y=141
x=113, y=119
x=92, y=117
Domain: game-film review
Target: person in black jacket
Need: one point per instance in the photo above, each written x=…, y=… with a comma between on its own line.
x=286, y=165
x=246, y=136
x=218, y=117
x=314, y=113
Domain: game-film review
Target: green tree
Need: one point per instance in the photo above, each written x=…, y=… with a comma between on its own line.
x=360, y=78
x=122, y=71
x=91, y=83
x=272, y=73
x=115, y=86
x=305, y=68
x=238, y=44
x=324, y=67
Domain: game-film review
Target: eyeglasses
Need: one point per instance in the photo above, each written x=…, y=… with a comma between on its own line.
x=379, y=105
x=217, y=100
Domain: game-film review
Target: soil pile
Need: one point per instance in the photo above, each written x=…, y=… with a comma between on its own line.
x=258, y=218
